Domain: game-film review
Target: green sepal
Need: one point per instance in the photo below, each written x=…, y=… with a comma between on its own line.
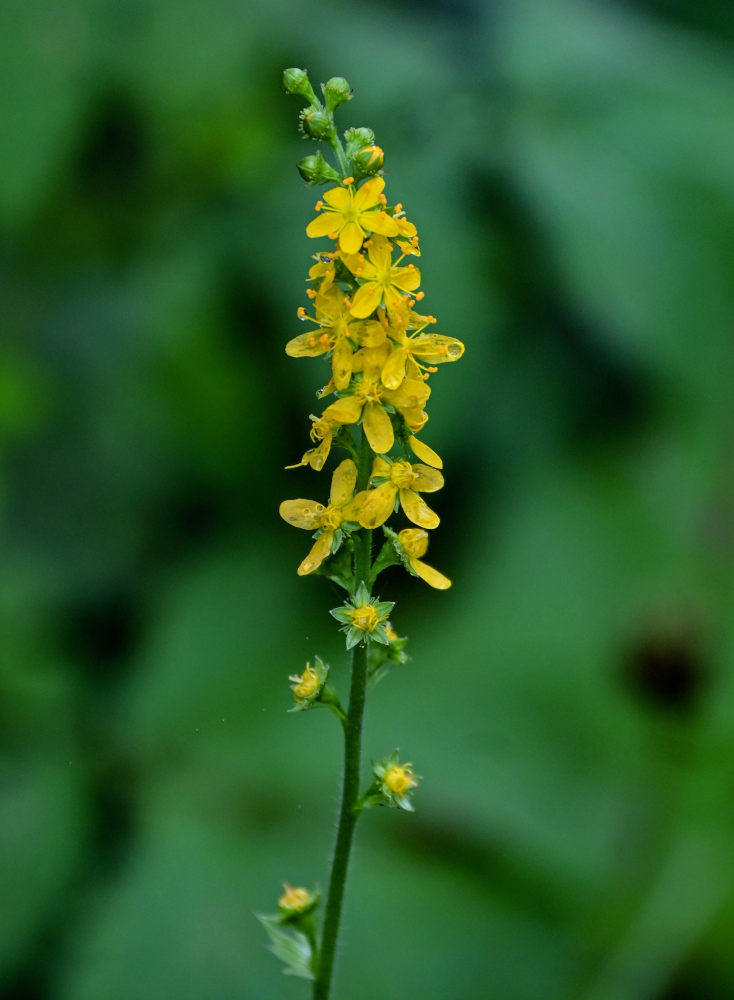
x=341, y=614
x=387, y=557
x=378, y=634
x=354, y=637
x=362, y=595
x=338, y=568
x=291, y=946
x=399, y=550
x=384, y=607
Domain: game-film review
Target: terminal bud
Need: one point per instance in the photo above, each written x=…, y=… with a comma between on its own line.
x=336, y=91
x=296, y=81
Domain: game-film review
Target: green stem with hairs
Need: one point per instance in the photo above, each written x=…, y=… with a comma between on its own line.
x=349, y=811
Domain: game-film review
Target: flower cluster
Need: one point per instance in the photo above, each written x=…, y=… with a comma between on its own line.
x=363, y=291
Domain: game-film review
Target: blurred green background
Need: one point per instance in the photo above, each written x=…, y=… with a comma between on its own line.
x=570, y=702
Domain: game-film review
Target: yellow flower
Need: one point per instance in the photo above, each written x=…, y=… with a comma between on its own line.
x=365, y=617
x=384, y=281
x=405, y=481
x=337, y=328
x=368, y=401
x=306, y=683
x=414, y=542
x=311, y=515
x=417, y=353
x=322, y=431
x=399, y=778
x=295, y=899
x=350, y=214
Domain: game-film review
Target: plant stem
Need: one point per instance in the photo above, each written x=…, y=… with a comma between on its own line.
x=352, y=758
x=341, y=156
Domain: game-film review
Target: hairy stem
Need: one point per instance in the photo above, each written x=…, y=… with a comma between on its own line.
x=352, y=759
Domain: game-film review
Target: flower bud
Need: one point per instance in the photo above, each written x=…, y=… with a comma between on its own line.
x=368, y=161
x=356, y=139
x=296, y=81
x=315, y=123
x=315, y=170
x=336, y=92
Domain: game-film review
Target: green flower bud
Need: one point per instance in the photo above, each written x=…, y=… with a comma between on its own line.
x=336, y=92
x=296, y=81
x=315, y=123
x=368, y=161
x=357, y=139
x=315, y=170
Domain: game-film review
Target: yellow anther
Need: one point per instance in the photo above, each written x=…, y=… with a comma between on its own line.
x=348, y=180
x=311, y=293
x=420, y=295
x=319, y=205
x=301, y=313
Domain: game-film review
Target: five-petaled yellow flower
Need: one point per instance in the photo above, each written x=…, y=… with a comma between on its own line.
x=368, y=403
x=349, y=215
x=311, y=515
x=385, y=282
x=404, y=481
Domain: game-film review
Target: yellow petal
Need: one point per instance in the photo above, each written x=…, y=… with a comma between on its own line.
x=393, y=371
x=379, y=222
x=379, y=253
x=377, y=428
x=432, y=577
x=426, y=480
x=344, y=411
x=369, y=193
x=377, y=506
x=369, y=334
x=306, y=345
x=424, y=453
x=417, y=510
x=320, y=549
x=343, y=482
x=411, y=393
x=350, y=238
x=408, y=278
x=338, y=197
x=435, y=348
x=351, y=511
x=414, y=542
x=322, y=225
x=413, y=416
x=367, y=298
x=380, y=468
x=301, y=513
x=341, y=363
x=316, y=457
